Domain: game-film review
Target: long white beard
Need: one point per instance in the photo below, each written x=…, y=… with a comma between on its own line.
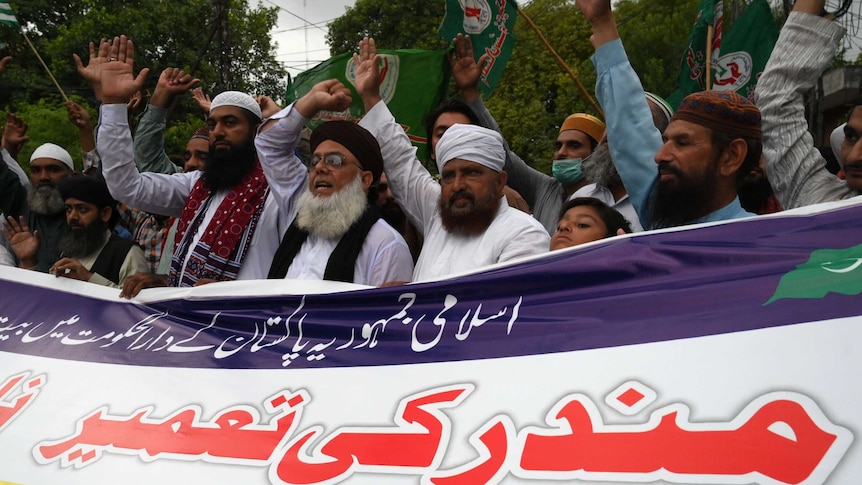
x=45, y=200
x=331, y=217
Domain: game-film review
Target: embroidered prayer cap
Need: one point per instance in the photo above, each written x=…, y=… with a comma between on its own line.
x=54, y=152
x=665, y=108
x=722, y=111
x=355, y=138
x=472, y=143
x=238, y=99
x=202, y=133
x=589, y=124
x=89, y=189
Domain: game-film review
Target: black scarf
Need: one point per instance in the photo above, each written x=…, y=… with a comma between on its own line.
x=342, y=261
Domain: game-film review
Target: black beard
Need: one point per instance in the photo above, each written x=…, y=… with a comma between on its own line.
x=223, y=169
x=473, y=223
x=77, y=243
x=598, y=167
x=754, y=193
x=45, y=200
x=683, y=204
x=392, y=215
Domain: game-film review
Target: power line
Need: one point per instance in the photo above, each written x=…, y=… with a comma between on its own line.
x=295, y=15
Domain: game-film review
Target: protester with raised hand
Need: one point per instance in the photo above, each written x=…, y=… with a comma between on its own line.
x=466, y=221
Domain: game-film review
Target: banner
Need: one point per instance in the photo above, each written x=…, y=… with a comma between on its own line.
x=413, y=82
x=7, y=16
x=739, y=55
x=724, y=353
x=491, y=28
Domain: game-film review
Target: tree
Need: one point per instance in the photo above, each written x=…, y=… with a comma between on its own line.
x=535, y=94
x=400, y=24
x=166, y=34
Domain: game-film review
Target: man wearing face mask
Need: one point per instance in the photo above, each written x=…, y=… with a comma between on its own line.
x=579, y=135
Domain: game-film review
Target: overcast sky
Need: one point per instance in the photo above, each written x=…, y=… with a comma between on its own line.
x=301, y=30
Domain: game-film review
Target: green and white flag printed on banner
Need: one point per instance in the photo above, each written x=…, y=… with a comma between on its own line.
x=7, y=16
x=491, y=27
x=745, y=50
x=413, y=82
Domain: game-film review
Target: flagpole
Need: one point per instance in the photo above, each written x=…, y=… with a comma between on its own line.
x=710, y=34
x=562, y=63
x=43, y=64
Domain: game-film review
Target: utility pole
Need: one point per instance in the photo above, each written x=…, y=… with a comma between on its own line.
x=225, y=79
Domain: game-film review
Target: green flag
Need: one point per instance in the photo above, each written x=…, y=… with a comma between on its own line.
x=7, y=16
x=826, y=271
x=413, y=83
x=491, y=29
x=745, y=50
x=692, y=75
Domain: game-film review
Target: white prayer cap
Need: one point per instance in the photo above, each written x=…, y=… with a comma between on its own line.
x=54, y=152
x=472, y=143
x=238, y=99
x=836, y=140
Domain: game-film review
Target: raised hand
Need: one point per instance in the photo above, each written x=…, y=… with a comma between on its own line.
x=93, y=70
x=465, y=70
x=594, y=10
x=330, y=95
x=367, y=68
x=14, y=134
x=204, y=102
x=79, y=116
x=3, y=63
x=268, y=107
x=116, y=68
x=25, y=244
x=172, y=82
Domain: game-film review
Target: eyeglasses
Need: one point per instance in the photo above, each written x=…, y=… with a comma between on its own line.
x=331, y=160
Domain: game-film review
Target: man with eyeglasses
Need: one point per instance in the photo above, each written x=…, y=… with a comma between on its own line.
x=338, y=233
x=465, y=220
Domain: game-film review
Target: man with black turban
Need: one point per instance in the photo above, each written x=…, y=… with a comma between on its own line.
x=90, y=251
x=337, y=233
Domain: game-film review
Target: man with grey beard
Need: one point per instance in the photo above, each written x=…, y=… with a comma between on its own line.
x=337, y=233
x=608, y=185
x=43, y=220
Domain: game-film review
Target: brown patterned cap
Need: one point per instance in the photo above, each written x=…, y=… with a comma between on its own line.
x=722, y=111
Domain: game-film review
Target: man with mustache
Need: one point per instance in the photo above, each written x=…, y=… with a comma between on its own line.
x=90, y=251
x=43, y=220
x=230, y=225
x=465, y=220
x=337, y=234
x=579, y=135
x=805, y=48
x=690, y=173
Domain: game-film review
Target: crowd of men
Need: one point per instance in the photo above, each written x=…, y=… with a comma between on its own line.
x=257, y=197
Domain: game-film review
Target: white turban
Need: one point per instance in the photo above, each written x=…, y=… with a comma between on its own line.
x=238, y=99
x=472, y=143
x=54, y=152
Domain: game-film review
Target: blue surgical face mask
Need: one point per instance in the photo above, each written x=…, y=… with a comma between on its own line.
x=567, y=171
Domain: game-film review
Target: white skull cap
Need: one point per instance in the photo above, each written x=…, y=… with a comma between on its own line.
x=54, y=152
x=238, y=99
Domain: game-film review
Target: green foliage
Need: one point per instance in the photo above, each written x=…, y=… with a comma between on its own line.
x=535, y=94
x=166, y=34
x=655, y=33
x=402, y=24
x=180, y=131
x=49, y=123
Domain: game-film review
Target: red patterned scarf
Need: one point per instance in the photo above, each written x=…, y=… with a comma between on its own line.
x=221, y=249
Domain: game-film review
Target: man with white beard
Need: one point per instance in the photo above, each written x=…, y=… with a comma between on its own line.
x=44, y=217
x=337, y=233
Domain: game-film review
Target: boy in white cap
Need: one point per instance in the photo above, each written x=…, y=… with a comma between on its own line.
x=466, y=221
